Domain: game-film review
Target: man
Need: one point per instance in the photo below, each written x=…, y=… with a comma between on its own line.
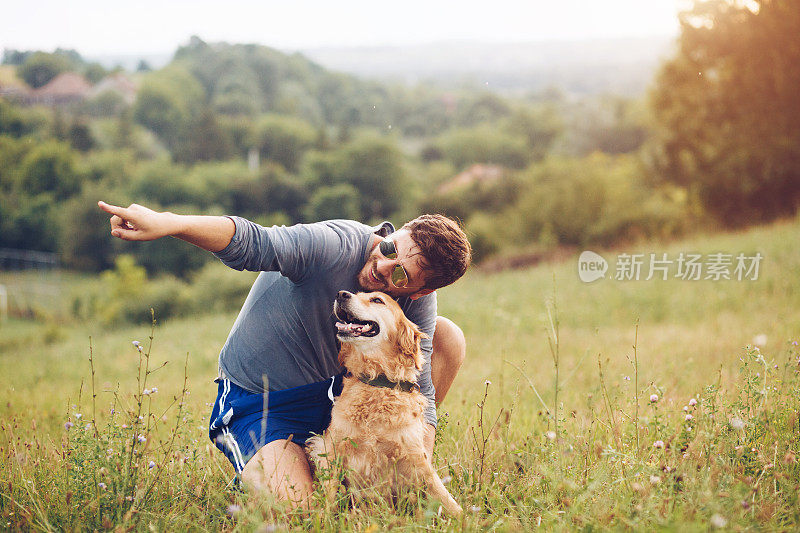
x=283, y=342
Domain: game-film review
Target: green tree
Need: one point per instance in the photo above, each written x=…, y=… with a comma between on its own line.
x=727, y=107
x=51, y=167
x=283, y=139
x=339, y=201
x=167, y=102
x=40, y=67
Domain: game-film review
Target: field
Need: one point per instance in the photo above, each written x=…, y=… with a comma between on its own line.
x=644, y=405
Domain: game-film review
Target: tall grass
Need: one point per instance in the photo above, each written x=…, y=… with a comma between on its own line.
x=650, y=407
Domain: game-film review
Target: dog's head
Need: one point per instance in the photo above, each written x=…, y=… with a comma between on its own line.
x=376, y=336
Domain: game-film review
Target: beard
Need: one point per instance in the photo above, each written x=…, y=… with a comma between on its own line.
x=369, y=280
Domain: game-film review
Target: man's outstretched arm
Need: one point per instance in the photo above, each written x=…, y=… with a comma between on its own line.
x=138, y=223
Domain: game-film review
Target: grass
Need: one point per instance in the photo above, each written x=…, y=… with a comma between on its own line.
x=521, y=448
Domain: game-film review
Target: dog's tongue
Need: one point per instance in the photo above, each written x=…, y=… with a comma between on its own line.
x=352, y=329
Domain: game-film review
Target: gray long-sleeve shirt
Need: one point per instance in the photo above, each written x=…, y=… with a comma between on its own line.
x=285, y=333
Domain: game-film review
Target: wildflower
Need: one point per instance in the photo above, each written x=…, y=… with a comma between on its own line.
x=146, y=392
x=718, y=521
x=68, y=425
x=653, y=398
x=88, y=427
x=658, y=444
x=142, y=438
x=151, y=465
x=794, y=343
x=488, y=382
x=692, y=402
x=737, y=423
x=446, y=479
x=154, y=390
x=124, y=426
x=627, y=378
x=138, y=345
x=551, y=435
x=760, y=340
x=102, y=485
x=78, y=416
x=234, y=508
x=655, y=480
x=686, y=408
x=689, y=417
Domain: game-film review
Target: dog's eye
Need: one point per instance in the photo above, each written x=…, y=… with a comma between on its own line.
x=377, y=300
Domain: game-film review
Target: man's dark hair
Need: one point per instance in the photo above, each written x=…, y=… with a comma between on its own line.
x=444, y=246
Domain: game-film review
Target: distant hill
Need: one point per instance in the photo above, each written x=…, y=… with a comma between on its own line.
x=622, y=66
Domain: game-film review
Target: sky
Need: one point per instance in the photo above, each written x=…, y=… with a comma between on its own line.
x=104, y=27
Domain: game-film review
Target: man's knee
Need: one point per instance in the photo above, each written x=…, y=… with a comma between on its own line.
x=280, y=467
x=449, y=342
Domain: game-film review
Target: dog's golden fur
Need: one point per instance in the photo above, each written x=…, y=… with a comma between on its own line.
x=378, y=432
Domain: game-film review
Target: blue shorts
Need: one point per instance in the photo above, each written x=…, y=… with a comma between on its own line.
x=243, y=421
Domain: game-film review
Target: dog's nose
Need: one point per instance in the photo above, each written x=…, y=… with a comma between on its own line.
x=344, y=295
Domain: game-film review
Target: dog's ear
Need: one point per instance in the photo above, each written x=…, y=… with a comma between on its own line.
x=408, y=339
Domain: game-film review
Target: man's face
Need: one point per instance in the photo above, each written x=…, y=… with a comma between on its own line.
x=377, y=272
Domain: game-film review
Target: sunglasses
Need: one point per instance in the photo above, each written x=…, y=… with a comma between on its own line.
x=399, y=274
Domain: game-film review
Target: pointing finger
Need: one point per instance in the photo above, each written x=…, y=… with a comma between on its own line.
x=112, y=209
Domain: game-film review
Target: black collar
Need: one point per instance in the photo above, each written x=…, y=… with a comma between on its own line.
x=382, y=381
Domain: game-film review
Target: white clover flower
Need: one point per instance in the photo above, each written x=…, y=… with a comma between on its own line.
x=719, y=521
x=685, y=407
x=692, y=402
x=653, y=398
x=658, y=444
x=689, y=417
x=737, y=423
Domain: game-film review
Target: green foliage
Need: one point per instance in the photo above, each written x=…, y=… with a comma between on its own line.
x=329, y=202
x=50, y=168
x=167, y=102
x=373, y=166
x=19, y=122
x=94, y=72
x=83, y=231
x=484, y=144
x=283, y=139
x=40, y=68
x=723, y=104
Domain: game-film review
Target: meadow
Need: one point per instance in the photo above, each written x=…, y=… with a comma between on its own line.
x=612, y=405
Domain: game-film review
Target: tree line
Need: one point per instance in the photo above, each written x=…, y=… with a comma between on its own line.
x=245, y=129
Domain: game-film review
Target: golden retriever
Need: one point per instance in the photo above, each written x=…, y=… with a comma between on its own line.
x=377, y=426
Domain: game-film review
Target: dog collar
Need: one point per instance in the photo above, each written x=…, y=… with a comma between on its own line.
x=382, y=381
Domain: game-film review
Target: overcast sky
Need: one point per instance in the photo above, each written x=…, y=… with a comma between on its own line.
x=99, y=27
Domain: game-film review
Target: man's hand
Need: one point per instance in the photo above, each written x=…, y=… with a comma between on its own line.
x=138, y=223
